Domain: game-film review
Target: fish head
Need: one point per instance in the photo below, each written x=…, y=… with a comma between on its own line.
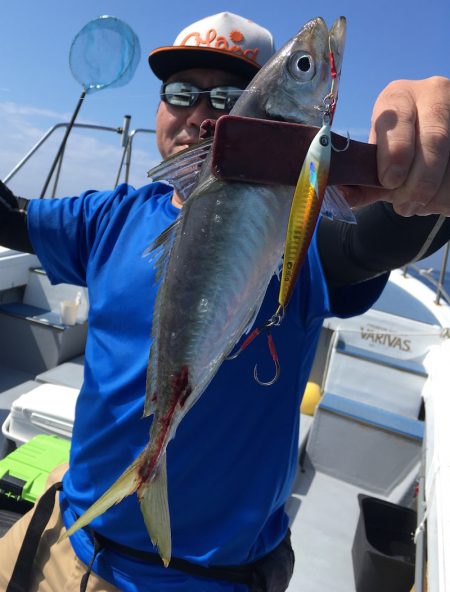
x=292, y=86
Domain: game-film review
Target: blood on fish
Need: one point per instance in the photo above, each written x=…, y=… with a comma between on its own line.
x=180, y=380
x=180, y=393
x=180, y=386
x=144, y=472
x=184, y=398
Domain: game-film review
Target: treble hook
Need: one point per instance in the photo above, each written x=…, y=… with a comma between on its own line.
x=275, y=361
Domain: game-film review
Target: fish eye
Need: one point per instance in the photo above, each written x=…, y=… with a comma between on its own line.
x=301, y=66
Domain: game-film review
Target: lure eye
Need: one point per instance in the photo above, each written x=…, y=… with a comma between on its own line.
x=301, y=66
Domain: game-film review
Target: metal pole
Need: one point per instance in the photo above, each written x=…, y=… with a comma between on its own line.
x=45, y=137
x=128, y=157
x=130, y=147
x=442, y=274
x=419, y=575
x=58, y=173
x=124, y=131
x=29, y=154
x=124, y=151
x=63, y=143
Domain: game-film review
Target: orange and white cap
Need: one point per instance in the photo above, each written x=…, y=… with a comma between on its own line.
x=223, y=41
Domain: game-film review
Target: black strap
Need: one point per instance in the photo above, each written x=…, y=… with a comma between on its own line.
x=97, y=548
x=270, y=573
x=236, y=574
x=21, y=576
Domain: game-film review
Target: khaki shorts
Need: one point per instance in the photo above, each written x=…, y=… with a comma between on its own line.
x=56, y=568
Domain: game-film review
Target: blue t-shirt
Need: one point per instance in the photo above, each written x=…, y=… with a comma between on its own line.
x=233, y=460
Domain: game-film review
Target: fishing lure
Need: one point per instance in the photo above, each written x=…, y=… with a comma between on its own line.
x=307, y=204
x=308, y=197
x=305, y=209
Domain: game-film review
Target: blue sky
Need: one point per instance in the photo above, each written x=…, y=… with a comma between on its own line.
x=386, y=40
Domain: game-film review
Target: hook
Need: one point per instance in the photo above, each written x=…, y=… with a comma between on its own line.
x=274, y=355
x=269, y=382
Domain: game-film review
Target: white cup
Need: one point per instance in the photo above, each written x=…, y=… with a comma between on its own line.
x=69, y=311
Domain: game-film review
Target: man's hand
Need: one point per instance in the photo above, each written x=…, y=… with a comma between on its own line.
x=411, y=126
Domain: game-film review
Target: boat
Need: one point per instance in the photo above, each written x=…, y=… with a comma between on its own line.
x=368, y=510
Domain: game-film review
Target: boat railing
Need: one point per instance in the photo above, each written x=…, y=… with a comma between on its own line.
x=126, y=156
x=428, y=275
x=128, y=137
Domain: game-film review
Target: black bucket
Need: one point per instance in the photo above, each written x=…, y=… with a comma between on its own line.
x=383, y=548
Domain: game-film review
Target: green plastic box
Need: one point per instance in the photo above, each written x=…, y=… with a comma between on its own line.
x=24, y=472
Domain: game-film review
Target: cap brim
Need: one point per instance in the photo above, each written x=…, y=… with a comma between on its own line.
x=166, y=61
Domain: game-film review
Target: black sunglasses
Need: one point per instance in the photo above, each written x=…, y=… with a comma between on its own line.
x=185, y=94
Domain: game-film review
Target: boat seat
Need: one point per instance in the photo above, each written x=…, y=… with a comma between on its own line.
x=373, y=416
x=367, y=446
x=70, y=373
x=368, y=375
x=39, y=333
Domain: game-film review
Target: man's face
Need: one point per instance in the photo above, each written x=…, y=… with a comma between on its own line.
x=178, y=127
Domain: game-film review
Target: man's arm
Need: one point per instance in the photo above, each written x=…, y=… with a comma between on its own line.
x=381, y=240
x=13, y=221
x=411, y=127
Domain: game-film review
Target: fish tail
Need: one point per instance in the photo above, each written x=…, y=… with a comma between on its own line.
x=154, y=503
x=125, y=485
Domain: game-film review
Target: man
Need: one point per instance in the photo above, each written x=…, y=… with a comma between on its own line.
x=232, y=462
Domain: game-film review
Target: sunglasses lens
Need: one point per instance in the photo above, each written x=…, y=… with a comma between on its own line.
x=184, y=94
x=180, y=94
x=224, y=97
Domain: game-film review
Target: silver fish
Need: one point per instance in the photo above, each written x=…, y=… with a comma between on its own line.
x=216, y=263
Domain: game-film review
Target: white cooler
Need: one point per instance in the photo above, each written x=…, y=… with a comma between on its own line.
x=47, y=409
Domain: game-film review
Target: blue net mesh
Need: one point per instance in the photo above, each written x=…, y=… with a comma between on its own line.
x=104, y=54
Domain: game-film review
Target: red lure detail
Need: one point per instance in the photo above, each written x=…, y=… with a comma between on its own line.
x=332, y=66
x=272, y=349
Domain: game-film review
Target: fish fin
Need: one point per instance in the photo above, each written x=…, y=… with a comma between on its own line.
x=125, y=485
x=154, y=503
x=162, y=240
x=149, y=404
x=335, y=207
x=158, y=252
x=181, y=170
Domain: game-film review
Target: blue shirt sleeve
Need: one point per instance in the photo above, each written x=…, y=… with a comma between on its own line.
x=64, y=231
